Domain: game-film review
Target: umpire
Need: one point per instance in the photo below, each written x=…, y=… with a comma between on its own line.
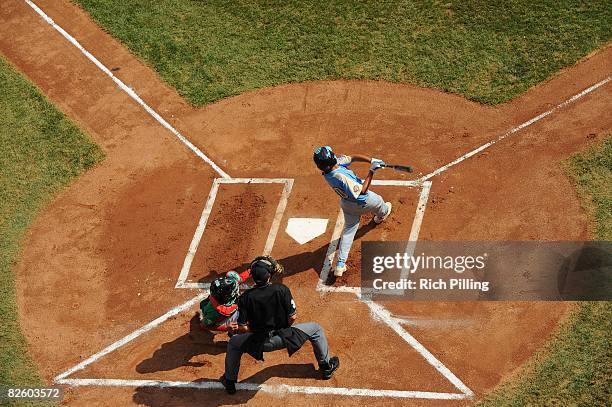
x=266, y=314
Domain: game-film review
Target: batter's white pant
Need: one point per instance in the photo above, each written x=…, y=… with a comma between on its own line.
x=352, y=213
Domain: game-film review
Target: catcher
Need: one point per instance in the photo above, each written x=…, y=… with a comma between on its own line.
x=219, y=311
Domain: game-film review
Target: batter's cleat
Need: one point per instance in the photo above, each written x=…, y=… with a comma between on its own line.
x=378, y=220
x=328, y=369
x=340, y=269
x=230, y=385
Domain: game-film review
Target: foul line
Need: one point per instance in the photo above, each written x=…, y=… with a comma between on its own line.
x=379, y=312
x=131, y=93
x=146, y=328
x=515, y=129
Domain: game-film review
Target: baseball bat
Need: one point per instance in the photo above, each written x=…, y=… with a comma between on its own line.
x=400, y=168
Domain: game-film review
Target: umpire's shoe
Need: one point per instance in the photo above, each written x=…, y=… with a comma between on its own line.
x=328, y=369
x=230, y=385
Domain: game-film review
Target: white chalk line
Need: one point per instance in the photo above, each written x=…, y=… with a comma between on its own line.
x=278, y=216
x=195, y=242
x=131, y=93
x=255, y=181
x=193, y=286
x=382, y=314
x=420, y=212
x=268, y=388
x=515, y=129
x=412, y=239
x=397, y=182
x=417, y=222
x=340, y=289
x=116, y=345
x=199, y=233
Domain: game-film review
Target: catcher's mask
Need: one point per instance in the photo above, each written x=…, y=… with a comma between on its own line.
x=324, y=158
x=261, y=271
x=225, y=290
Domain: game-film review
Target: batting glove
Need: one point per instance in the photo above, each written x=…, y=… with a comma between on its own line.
x=376, y=164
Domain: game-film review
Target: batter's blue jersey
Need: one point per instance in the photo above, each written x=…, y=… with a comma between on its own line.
x=344, y=181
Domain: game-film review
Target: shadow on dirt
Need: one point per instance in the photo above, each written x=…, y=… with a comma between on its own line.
x=179, y=352
x=305, y=260
x=158, y=397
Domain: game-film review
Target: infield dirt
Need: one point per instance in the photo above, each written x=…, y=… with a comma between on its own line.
x=103, y=258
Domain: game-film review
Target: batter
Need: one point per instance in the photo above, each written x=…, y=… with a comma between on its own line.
x=355, y=197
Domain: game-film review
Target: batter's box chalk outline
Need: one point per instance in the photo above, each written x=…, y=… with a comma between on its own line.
x=379, y=313
x=197, y=237
x=412, y=238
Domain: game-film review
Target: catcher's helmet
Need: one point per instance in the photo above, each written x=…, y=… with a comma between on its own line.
x=324, y=158
x=225, y=290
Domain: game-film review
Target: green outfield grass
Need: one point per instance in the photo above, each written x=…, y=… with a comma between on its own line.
x=40, y=152
x=592, y=175
x=575, y=369
x=488, y=51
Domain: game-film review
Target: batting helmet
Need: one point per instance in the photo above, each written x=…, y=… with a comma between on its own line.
x=324, y=158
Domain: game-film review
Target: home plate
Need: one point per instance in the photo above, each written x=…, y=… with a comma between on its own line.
x=303, y=230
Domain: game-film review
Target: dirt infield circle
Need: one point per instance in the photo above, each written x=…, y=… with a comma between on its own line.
x=102, y=260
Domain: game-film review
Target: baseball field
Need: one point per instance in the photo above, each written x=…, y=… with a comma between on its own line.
x=148, y=147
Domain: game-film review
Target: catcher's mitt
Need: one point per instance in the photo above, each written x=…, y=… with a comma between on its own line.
x=269, y=262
